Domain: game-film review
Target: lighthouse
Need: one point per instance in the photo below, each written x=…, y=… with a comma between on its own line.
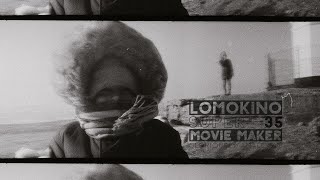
x=299, y=65
x=306, y=53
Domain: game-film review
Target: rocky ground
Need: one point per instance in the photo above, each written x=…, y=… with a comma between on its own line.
x=301, y=129
x=300, y=142
x=301, y=8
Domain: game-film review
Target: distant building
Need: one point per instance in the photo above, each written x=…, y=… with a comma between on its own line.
x=298, y=66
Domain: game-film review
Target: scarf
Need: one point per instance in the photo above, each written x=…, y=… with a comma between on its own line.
x=115, y=123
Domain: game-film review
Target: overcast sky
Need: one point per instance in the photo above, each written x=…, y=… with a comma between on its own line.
x=190, y=51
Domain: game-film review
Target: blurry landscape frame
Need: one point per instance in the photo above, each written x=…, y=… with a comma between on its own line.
x=272, y=61
x=287, y=8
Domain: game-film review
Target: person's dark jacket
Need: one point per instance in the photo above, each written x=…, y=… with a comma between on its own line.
x=118, y=7
x=157, y=140
x=227, y=69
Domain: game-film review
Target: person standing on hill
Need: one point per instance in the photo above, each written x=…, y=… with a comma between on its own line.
x=227, y=72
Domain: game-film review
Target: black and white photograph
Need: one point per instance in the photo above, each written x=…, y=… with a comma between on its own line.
x=157, y=172
x=160, y=90
x=172, y=8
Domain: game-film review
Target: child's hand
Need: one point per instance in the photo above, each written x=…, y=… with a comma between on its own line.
x=30, y=153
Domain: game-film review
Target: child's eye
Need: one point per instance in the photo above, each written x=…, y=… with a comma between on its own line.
x=118, y=96
x=115, y=94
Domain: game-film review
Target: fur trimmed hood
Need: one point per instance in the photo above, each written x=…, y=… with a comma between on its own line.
x=95, y=42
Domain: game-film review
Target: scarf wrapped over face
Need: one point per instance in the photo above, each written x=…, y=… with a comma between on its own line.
x=101, y=124
x=84, y=50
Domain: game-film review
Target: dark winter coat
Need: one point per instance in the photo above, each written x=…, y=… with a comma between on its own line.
x=157, y=141
x=118, y=7
x=227, y=69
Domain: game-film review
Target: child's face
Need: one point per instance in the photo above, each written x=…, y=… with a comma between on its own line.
x=113, y=87
x=110, y=172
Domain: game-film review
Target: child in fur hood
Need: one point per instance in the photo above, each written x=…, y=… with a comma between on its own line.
x=115, y=78
x=107, y=171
